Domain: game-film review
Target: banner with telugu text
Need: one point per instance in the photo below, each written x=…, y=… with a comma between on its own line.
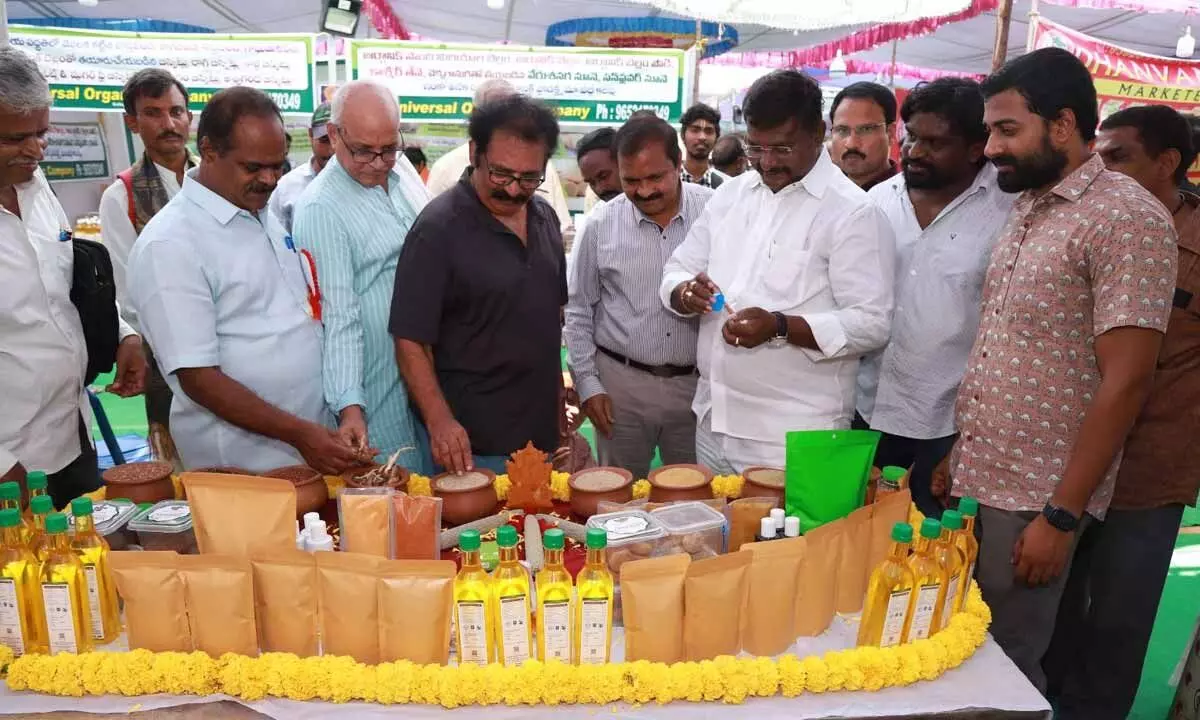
x=75, y=151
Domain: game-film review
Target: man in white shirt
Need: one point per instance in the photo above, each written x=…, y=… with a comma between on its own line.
x=222, y=295
x=45, y=421
x=446, y=172
x=805, y=264
x=292, y=185
x=946, y=211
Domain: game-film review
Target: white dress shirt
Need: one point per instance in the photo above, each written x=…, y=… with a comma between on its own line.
x=216, y=286
x=43, y=355
x=288, y=191
x=908, y=388
x=817, y=249
x=118, y=235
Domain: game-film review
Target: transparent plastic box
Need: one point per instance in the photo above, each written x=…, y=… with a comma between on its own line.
x=166, y=525
x=632, y=535
x=110, y=518
x=693, y=528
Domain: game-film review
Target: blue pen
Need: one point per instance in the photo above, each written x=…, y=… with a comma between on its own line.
x=291, y=244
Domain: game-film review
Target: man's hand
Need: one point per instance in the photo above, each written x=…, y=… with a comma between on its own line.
x=324, y=450
x=130, y=378
x=695, y=297
x=599, y=410
x=940, y=483
x=1041, y=552
x=450, y=444
x=353, y=431
x=749, y=328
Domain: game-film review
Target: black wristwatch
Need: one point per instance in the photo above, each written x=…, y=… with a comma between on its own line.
x=781, y=330
x=1060, y=519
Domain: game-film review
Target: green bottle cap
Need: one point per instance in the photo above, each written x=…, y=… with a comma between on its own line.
x=902, y=533
x=597, y=538
x=931, y=529
x=506, y=536
x=968, y=507
x=468, y=540
x=41, y=505
x=56, y=523
x=553, y=539
x=81, y=507
x=891, y=473
x=952, y=520
x=10, y=491
x=10, y=517
x=36, y=480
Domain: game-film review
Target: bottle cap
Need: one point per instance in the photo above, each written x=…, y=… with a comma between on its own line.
x=10, y=517
x=597, y=538
x=56, y=523
x=791, y=527
x=318, y=531
x=777, y=517
x=310, y=518
x=894, y=474
x=468, y=540
x=36, y=480
x=968, y=507
x=552, y=539
x=931, y=529
x=767, y=529
x=902, y=533
x=41, y=505
x=10, y=491
x=81, y=507
x=718, y=302
x=506, y=536
x=952, y=520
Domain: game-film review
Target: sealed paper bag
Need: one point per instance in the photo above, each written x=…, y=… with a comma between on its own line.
x=652, y=599
x=744, y=517
x=816, y=596
x=852, y=565
x=774, y=576
x=418, y=527
x=365, y=516
x=233, y=513
x=889, y=510
x=285, y=601
x=827, y=473
x=156, y=616
x=349, y=605
x=714, y=598
x=415, y=601
x=220, y=601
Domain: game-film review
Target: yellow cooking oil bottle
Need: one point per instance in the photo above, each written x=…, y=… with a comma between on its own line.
x=10, y=499
x=19, y=600
x=952, y=558
x=36, y=482
x=66, y=624
x=473, y=605
x=929, y=581
x=41, y=506
x=554, y=589
x=968, y=507
x=510, y=602
x=103, y=611
x=594, y=602
x=889, y=594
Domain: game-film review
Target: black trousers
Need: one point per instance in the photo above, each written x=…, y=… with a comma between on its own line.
x=1094, y=663
x=81, y=476
x=923, y=456
x=158, y=393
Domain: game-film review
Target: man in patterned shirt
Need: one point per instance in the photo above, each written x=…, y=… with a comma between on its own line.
x=701, y=127
x=1075, y=302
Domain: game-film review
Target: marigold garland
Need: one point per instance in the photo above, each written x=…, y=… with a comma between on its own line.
x=341, y=679
x=723, y=486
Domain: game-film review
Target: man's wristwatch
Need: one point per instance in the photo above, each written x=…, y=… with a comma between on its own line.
x=781, y=330
x=1060, y=518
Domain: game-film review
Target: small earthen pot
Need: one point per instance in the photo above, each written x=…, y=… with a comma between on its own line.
x=676, y=483
x=311, y=493
x=763, y=482
x=398, y=481
x=467, y=497
x=141, y=482
x=590, y=486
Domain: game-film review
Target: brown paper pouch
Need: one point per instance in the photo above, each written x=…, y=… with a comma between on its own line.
x=744, y=515
x=714, y=598
x=233, y=513
x=852, y=566
x=155, y=603
x=366, y=521
x=415, y=597
x=891, y=509
x=418, y=527
x=652, y=600
x=771, y=600
x=816, y=595
x=220, y=600
x=349, y=605
x=285, y=601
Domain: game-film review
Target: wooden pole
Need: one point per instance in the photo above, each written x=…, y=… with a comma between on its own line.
x=892, y=69
x=1034, y=17
x=1003, y=21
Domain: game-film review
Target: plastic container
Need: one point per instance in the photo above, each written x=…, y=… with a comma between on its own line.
x=111, y=518
x=166, y=525
x=694, y=528
x=632, y=535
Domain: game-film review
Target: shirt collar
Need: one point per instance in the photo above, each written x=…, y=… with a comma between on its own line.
x=1076, y=184
x=221, y=209
x=815, y=182
x=340, y=171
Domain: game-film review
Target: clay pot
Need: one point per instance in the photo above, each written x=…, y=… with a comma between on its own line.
x=466, y=504
x=311, y=493
x=398, y=481
x=584, y=501
x=763, y=486
x=141, y=482
x=678, y=492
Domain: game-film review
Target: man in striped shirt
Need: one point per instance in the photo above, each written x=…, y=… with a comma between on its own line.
x=633, y=361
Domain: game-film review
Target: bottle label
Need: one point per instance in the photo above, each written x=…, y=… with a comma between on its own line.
x=514, y=629
x=951, y=599
x=970, y=577
x=94, y=605
x=10, y=617
x=56, y=598
x=472, y=632
x=593, y=639
x=555, y=626
x=923, y=612
x=893, y=618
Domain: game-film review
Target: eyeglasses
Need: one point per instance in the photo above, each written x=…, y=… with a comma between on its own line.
x=366, y=156
x=756, y=152
x=843, y=132
x=502, y=178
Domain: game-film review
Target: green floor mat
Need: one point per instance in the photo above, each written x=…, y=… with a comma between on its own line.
x=1173, y=627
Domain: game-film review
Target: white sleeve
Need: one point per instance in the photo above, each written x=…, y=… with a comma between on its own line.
x=169, y=284
x=558, y=199
x=445, y=172
x=118, y=236
x=689, y=259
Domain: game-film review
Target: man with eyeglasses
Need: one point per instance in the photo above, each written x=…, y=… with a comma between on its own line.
x=292, y=185
x=864, y=123
x=805, y=266
x=476, y=310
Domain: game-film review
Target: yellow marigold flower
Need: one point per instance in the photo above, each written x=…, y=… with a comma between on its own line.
x=793, y=676
x=727, y=486
x=816, y=674
x=419, y=485
x=333, y=483
x=560, y=486
x=502, y=485
x=6, y=658
x=641, y=489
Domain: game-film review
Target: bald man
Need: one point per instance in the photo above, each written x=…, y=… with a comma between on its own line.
x=450, y=167
x=353, y=219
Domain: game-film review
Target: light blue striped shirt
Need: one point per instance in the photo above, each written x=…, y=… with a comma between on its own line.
x=355, y=234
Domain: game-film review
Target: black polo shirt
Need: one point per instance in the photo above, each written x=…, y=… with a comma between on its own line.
x=489, y=307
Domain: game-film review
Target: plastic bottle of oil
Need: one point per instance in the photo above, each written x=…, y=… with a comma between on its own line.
x=103, y=611
x=10, y=499
x=965, y=540
x=953, y=559
x=19, y=599
x=510, y=602
x=66, y=624
x=594, y=606
x=889, y=594
x=473, y=605
x=36, y=481
x=554, y=588
x=41, y=506
x=929, y=580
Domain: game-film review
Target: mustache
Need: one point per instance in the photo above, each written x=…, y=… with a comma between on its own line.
x=260, y=188
x=1008, y=160
x=910, y=164
x=169, y=134
x=610, y=195
x=502, y=196
x=648, y=198
x=855, y=153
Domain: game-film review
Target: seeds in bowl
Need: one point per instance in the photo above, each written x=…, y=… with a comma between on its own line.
x=770, y=477
x=679, y=478
x=466, y=481
x=599, y=481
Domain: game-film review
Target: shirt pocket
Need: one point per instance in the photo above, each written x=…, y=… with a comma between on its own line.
x=785, y=281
